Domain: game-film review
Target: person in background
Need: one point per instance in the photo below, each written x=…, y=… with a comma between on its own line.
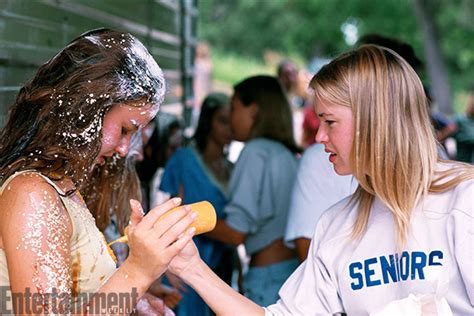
x=465, y=134
x=404, y=238
x=166, y=138
x=310, y=123
x=67, y=133
x=260, y=185
x=289, y=78
x=200, y=172
x=317, y=187
x=444, y=127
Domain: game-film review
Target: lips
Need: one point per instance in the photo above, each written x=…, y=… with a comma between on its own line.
x=332, y=155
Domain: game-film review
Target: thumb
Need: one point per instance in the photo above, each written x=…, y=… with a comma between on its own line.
x=137, y=212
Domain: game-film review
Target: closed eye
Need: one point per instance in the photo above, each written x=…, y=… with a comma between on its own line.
x=125, y=131
x=329, y=122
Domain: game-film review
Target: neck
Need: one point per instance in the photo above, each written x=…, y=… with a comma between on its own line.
x=213, y=151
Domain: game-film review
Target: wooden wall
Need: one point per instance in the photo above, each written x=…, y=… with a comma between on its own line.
x=32, y=31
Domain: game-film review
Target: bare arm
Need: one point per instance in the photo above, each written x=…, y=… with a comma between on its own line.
x=36, y=232
x=220, y=297
x=226, y=234
x=302, y=247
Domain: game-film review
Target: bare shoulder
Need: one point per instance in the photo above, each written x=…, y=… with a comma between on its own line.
x=27, y=199
x=35, y=234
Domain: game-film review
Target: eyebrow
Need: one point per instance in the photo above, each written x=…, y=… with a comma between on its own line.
x=321, y=114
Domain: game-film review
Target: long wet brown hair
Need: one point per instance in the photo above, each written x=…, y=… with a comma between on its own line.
x=55, y=123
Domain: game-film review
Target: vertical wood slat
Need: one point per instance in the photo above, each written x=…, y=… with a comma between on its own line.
x=32, y=31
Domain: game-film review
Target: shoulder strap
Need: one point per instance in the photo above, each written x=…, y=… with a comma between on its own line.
x=54, y=185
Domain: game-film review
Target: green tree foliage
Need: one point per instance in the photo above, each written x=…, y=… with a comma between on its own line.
x=314, y=28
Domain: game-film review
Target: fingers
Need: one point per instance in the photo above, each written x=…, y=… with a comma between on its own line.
x=177, y=229
x=158, y=211
x=179, y=244
x=170, y=222
x=137, y=212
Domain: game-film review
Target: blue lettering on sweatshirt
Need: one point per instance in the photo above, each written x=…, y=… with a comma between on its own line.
x=392, y=268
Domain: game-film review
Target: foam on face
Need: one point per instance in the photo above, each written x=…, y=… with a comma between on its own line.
x=139, y=78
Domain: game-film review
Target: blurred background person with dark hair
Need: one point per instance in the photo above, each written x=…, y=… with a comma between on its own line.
x=161, y=138
x=200, y=172
x=260, y=186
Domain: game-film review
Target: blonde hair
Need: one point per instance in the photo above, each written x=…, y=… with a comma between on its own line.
x=394, y=153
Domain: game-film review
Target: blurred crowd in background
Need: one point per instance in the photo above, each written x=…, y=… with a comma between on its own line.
x=202, y=163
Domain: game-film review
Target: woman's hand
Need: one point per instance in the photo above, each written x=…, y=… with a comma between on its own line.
x=187, y=257
x=153, y=242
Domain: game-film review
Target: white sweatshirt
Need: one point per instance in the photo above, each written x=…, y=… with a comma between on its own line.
x=361, y=277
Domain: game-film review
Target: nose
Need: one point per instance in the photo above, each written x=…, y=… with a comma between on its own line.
x=321, y=136
x=122, y=148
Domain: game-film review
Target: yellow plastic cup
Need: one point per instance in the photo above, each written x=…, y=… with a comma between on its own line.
x=205, y=222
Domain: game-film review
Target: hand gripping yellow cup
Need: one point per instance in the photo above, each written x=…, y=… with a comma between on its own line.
x=205, y=222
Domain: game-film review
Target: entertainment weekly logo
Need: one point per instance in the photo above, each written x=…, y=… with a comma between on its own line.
x=32, y=302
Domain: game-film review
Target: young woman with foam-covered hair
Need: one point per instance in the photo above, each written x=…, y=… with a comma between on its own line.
x=405, y=237
x=67, y=131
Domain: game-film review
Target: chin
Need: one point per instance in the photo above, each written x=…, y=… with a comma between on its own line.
x=342, y=171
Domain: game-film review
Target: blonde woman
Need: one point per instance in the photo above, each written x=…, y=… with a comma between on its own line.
x=407, y=232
